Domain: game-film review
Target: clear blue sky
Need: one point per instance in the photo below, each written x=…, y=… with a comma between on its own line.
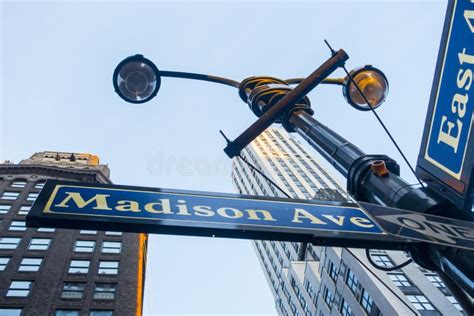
x=57, y=60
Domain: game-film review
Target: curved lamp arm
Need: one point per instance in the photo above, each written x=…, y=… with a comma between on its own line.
x=136, y=79
x=203, y=77
x=335, y=81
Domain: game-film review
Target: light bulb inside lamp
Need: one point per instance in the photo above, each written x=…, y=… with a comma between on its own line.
x=136, y=79
x=373, y=84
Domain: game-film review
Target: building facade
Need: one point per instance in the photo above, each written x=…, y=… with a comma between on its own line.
x=313, y=280
x=63, y=272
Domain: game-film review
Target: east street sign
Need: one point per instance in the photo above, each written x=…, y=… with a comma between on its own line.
x=446, y=155
x=137, y=209
x=423, y=227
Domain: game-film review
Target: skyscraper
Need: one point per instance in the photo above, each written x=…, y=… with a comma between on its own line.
x=312, y=280
x=62, y=272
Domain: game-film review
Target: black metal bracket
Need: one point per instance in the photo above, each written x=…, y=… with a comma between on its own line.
x=286, y=103
x=359, y=169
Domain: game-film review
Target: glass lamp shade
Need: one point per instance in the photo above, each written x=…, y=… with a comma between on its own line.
x=373, y=84
x=136, y=79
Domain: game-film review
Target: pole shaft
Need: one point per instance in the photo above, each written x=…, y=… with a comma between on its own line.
x=328, y=143
x=454, y=264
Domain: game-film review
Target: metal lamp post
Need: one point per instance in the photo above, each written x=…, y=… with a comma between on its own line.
x=370, y=178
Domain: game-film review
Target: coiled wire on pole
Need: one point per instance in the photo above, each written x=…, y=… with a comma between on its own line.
x=262, y=92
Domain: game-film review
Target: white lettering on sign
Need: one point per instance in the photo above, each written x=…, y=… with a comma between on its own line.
x=447, y=133
x=469, y=15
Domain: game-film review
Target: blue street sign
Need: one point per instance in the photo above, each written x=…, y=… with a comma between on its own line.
x=446, y=153
x=136, y=209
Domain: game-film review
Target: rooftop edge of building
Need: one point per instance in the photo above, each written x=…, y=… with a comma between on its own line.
x=63, y=164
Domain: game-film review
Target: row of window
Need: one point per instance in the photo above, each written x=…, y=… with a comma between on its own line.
x=58, y=312
x=20, y=226
x=5, y=208
x=300, y=296
x=106, y=267
x=8, y=243
x=89, y=246
x=21, y=183
x=365, y=300
x=70, y=290
x=13, y=195
x=419, y=301
x=102, y=291
x=80, y=246
x=82, y=267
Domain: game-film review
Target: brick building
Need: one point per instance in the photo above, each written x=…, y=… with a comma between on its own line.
x=63, y=272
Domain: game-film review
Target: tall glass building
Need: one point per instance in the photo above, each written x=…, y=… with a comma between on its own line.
x=63, y=272
x=313, y=280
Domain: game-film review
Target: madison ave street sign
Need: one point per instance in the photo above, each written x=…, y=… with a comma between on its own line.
x=137, y=209
x=446, y=155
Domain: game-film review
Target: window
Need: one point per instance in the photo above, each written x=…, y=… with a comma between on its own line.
x=3, y=263
x=113, y=233
x=32, y=196
x=328, y=297
x=9, y=243
x=39, y=184
x=24, y=210
x=435, y=279
x=79, y=266
x=19, y=289
x=17, y=226
x=420, y=302
x=345, y=308
x=88, y=232
x=332, y=271
x=10, y=311
x=100, y=313
x=7, y=195
x=18, y=184
x=84, y=246
x=382, y=260
x=111, y=247
x=67, y=312
x=108, y=267
x=39, y=244
x=4, y=208
x=46, y=230
x=351, y=281
x=30, y=264
x=366, y=301
x=454, y=302
x=399, y=279
x=74, y=290
x=104, y=291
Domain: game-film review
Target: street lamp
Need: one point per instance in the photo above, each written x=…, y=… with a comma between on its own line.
x=136, y=79
x=371, y=81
